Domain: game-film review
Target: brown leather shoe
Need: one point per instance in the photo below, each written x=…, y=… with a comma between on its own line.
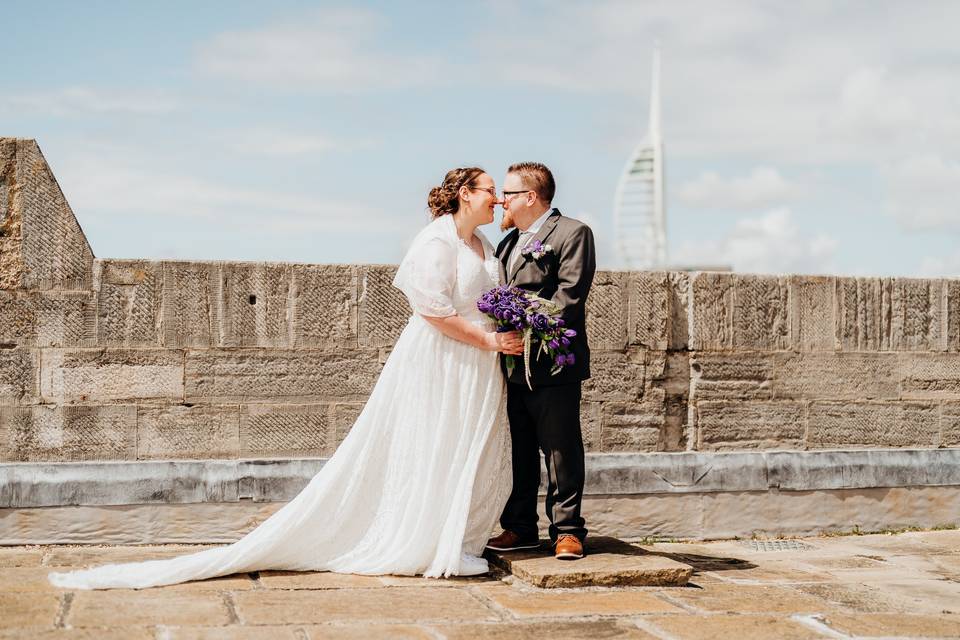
x=568, y=547
x=509, y=541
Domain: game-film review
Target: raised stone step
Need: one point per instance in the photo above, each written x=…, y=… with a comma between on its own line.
x=607, y=562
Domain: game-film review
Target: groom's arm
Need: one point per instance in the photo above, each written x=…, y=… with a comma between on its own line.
x=576, y=266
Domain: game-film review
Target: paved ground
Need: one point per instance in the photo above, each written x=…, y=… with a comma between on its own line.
x=905, y=585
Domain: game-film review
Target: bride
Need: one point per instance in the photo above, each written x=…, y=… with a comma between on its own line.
x=417, y=485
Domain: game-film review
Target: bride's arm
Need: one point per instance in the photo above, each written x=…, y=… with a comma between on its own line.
x=457, y=328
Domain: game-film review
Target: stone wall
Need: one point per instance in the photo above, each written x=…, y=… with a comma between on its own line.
x=145, y=360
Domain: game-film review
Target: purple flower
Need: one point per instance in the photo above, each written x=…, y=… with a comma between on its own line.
x=553, y=344
x=565, y=342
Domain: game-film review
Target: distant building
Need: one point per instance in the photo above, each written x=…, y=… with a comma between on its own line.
x=639, y=209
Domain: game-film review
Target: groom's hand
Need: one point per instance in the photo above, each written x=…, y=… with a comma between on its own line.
x=509, y=343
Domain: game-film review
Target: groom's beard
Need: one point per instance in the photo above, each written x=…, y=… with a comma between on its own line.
x=507, y=222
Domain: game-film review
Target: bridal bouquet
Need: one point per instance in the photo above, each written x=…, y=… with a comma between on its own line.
x=514, y=309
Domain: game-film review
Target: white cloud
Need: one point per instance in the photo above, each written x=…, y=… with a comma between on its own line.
x=924, y=192
x=329, y=50
x=110, y=186
x=772, y=243
x=75, y=101
x=763, y=188
x=275, y=142
x=803, y=82
x=940, y=266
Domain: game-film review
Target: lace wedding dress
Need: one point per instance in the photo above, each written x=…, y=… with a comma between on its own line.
x=417, y=485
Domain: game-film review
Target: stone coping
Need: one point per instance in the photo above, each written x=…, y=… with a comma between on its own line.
x=27, y=485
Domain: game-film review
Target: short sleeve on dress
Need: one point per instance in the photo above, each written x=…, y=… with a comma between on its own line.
x=427, y=276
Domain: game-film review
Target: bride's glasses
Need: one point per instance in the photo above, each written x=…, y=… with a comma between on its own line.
x=491, y=190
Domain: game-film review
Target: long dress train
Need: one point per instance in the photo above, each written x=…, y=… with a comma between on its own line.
x=417, y=485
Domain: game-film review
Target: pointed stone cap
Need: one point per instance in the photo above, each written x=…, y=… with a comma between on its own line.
x=42, y=246
x=607, y=562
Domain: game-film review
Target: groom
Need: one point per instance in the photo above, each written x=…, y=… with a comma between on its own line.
x=546, y=418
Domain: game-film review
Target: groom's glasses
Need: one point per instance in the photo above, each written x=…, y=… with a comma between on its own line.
x=510, y=194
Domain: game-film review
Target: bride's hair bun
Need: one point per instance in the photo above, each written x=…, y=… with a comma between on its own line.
x=445, y=199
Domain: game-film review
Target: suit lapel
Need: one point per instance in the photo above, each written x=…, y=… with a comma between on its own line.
x=548, y=226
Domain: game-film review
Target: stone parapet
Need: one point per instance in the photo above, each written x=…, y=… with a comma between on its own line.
x=104, y=359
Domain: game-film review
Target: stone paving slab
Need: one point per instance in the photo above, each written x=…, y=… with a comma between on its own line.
x=553, y=630
x=126, y=633
x=529, y=603
x=742, y=627
x=607, y=562
x=390, y=604
x=126, y=608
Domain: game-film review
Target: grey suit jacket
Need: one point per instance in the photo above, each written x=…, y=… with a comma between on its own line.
x=564, y=276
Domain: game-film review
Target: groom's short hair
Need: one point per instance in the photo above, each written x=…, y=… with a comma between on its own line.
x=537, y=177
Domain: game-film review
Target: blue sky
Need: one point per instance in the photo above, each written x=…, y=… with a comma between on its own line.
x=814, y=137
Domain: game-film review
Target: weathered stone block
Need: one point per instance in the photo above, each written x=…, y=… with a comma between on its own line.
x=670, y=371
x=190, y=306
x=184, y=431
x=112, y=375
x=725, y=376
x=607, y=310
x=18, y=319
x=750, y=425
x=54, y=252
x=324, y=305
x=269, y=431
x=868, y=424
x=760, y=312
x=930, y=376
x=128, y=302
x=678, y=290
x=712, y=311
x=812, y=320
x=343, y=417
x=11, y=218
x=68, y=433
x=857, y=376
x=635, y=426
x=590, y=420
x=255, y=304
x=47, y=319
x=648, y=320
x=917, y=315
x=608, y=563
x=952, y=293
x=862, y=317
x=19, y=376
x=616, y=376
x=384, y=310
x=950, y=424
x=222, y=376
x=66, y=319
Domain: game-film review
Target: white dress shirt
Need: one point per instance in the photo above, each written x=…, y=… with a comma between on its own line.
x=524, y=239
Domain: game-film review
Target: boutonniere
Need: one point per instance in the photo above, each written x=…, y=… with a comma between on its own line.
x=536, y=249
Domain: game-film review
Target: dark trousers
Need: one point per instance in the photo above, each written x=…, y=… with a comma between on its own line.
x=545, y=419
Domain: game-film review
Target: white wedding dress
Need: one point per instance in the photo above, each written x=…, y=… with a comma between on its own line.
x=417, y=485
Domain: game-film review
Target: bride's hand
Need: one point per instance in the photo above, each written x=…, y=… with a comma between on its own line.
x=509, y=343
